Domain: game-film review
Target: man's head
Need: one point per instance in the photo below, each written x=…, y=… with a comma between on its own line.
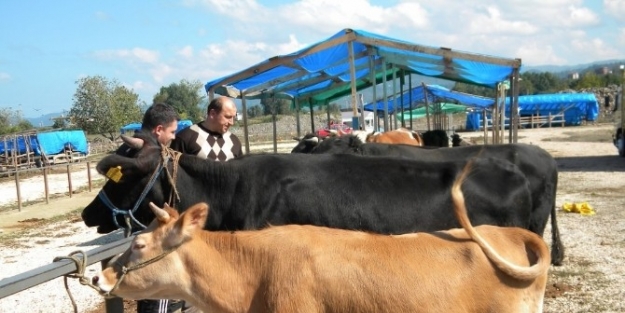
x=220, y=115
x=162, y=121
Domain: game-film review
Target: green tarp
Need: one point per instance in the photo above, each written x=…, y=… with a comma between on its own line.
x=446, y=108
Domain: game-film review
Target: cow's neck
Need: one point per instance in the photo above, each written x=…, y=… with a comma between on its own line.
x=226, y=273
x=206, y=181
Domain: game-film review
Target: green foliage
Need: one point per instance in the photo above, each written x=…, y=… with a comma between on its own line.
x=12, y=122
x=103, y=107
x=59, y=123
x=186, y=97
x=588, y=80
x=475, y=90
x=254, y=111
x=335, y=110
x=275, y=106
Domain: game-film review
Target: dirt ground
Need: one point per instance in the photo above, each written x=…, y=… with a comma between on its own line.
x=590, y=171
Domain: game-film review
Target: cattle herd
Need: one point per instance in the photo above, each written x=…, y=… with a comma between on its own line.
x=385, y=225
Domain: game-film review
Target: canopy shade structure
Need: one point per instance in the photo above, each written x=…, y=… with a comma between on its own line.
x=434, y=93
x=351, y=55
x=446, y=108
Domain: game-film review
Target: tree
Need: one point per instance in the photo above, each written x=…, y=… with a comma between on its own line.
x=103, y=107
x=588, y=80
x=254, y=111
x=12, y=122
x=186, y=97
x=272, y=105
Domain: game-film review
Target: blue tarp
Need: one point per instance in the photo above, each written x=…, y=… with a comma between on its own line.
x=9, y=145
x=182, y=124
x=577, y=107
x=326, y=65
x=434, y=93
x=55, y=142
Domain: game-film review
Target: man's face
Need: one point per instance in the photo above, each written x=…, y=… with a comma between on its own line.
x=166, y=133
x=222, y=121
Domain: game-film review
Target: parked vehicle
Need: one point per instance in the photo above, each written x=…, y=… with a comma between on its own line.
x=334, y=128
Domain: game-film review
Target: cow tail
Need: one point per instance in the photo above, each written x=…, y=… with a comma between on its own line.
x=535, y=243
x=557, y=248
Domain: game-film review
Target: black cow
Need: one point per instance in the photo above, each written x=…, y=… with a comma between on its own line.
x=537, y=164
x=389, y=196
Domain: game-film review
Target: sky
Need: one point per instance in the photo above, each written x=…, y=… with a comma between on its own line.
x=46, y=46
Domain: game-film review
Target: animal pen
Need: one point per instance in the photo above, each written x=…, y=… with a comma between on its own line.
x=36, y=149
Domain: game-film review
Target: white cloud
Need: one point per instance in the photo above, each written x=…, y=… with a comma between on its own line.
x=596, y=48
x=330, y=16
x=537, y=54
x=133, y=55
x=493, y=22
x=186, y=52
x=4, y=77
x=615, y=8
x=103, y=16
x=245, y=10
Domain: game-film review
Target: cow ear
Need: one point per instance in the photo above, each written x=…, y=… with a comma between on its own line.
x=193, y=219
x=116, y=161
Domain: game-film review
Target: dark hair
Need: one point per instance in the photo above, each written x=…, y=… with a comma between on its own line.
x=217, y=104
x=158, y=114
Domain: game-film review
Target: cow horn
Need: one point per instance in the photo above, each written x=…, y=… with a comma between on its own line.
x=133, y=142
x=161, y=215
x=312, y=139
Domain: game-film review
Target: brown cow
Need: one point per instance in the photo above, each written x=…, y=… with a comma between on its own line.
x=398, y=136
x=303, y=268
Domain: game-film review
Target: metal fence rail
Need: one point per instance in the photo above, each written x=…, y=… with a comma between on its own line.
x=14, y=284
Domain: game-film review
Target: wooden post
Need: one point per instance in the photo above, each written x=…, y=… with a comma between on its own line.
x=394, y=77
x=245, y=129
x=485, y=128
x=19, y=193
x=45, y=185
x=328, y=115
x=312, y=116
x=297, y=123
x=425, y=99
x=549, y=119
x=69, y=180
x=374, y=102
x=410, y=98
x=384, y=98
x=89, y=175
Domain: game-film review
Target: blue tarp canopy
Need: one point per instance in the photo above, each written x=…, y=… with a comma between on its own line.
x=326, y=65
x=577, y=107
x=55, y=142
x=182, y=124
x=20, y=142
x=434, y=93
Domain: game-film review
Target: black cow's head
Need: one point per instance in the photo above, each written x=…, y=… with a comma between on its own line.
x=129, y=171
x=348, y=144
x=306, y=144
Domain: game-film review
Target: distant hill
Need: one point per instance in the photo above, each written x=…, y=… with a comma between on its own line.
x=44, y=120
x=563, y=70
